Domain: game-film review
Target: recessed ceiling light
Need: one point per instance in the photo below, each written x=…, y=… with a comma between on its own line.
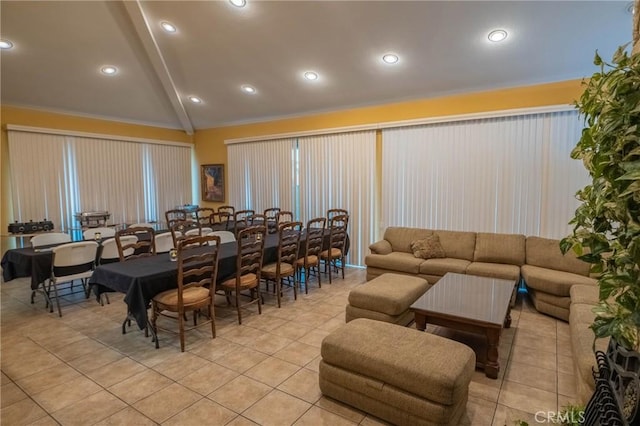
x=238, y=3
x=168, y=27
x=631, y=8
x=5, y=44
x=497, y=35
x=109, y=70
x=311, y=75
x=195, y=99
x=390, y=58
x=248, y=89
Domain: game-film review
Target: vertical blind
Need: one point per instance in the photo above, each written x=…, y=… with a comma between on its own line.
x=261, y=175
x=56, y=176
x=309, y=176
x=338, y=171
x=508, y=175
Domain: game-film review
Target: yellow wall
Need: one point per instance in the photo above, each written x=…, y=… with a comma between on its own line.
x=209, y=143
x=210, y=147
x=34, y=118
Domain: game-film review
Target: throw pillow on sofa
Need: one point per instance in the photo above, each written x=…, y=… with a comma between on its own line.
x=428, y=248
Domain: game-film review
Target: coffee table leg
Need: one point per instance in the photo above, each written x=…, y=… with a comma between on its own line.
x=507, y=320
x=492, y=367
x=421, y=322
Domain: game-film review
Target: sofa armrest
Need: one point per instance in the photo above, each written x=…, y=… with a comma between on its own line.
x=381, y=247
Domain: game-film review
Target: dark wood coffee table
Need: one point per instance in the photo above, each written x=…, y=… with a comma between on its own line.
x=470, y=304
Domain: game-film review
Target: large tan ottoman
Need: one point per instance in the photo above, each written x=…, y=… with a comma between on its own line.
x=398, y=374
x=386, y=298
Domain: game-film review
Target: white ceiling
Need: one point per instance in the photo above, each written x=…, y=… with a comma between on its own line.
x=59, y=47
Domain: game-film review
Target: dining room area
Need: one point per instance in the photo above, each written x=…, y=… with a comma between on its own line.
x=102, y=349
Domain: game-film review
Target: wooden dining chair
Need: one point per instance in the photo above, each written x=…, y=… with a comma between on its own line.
x=143, y=245
x=331, y=213
x=179, y=228
x=175, y=214
x=241, y=220
x=248, y=269
x=203, y=215
x=285, y=265
x=227, y=209
x=221, y=220
x=334, y=256
x=197, y=273
x=257, y=219
x=271, y=216
x=310, y=261
x=284, y=216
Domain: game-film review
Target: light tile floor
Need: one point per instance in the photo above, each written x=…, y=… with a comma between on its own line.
x=80, y=369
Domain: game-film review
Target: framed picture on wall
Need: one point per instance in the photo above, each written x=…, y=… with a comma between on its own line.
x=212, y=180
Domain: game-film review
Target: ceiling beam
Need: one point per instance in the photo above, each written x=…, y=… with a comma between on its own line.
x=141, y=25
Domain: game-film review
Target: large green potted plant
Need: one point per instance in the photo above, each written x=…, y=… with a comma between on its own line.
x=607, y=223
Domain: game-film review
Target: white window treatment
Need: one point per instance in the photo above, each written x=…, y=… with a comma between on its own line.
x=308, y=177
x=339, y=171
x=261, y=175
x=41, y=176
x=134, y=181
x=508, y=175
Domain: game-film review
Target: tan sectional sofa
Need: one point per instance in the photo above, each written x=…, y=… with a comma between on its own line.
x=484, y=254
x=559, y=284
x=549, y=276
x=547, y=273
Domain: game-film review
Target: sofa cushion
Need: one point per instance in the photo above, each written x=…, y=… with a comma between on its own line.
x=391, y=294
x=402, y=357
x=428, y=248
x=582, y=338
x=396, y=261
x=494, y=270
x=400, y=238
x=545, y=252
x=552, y=281
x=499, y=248
x=589, y=294
x=550, y=299
x=548, y=308
x=457, y=244
x=381, y=247
x=442, y=266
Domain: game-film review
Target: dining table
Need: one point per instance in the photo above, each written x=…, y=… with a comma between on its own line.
x=142, y=278
x=139, y=279
x=28, y=262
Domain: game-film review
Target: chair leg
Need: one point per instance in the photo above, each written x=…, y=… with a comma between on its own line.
x=238, y=307
x=259, y=300
x=181, y=320
x=152, y=325
x=55, y=289
x=87, y=289
x=277, y=285
x=213, y=322
x=295, y=290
